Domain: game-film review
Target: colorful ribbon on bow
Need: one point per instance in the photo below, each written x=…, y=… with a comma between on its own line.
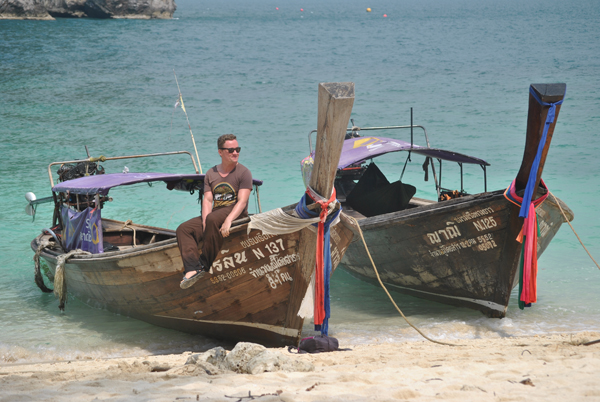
x=529, y=232
x=528, y=238
x=323, y=256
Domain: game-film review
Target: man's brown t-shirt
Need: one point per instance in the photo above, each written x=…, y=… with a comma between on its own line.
x=225, y=189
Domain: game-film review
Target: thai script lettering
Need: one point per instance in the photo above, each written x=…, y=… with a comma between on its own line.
x=278, y=278
x=468, y=215
x=450, y=232
x=253, y=241
x=445, y=249
x=229, y=262
x=482, y=243
x=276, y=263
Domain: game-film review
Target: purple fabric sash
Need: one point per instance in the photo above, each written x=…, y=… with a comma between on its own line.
x=82, y=230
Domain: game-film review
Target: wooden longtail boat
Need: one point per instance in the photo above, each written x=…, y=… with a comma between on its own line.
x=255, y=288
x=460, y=249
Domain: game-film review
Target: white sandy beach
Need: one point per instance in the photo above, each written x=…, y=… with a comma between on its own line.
x=540, y=368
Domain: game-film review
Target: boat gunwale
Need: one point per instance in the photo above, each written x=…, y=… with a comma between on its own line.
x=237, y=226
x=377, y=221
x=109, y=255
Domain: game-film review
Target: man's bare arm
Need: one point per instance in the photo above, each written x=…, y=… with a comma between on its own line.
x=243, y=197
x=207, y=203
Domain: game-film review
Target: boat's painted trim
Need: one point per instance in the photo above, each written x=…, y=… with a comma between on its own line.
x=485, y=303
x=272, y=328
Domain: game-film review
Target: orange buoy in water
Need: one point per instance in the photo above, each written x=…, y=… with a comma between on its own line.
x=277, y=8
x=384, y=15
x=301, y=9
x=368, y=10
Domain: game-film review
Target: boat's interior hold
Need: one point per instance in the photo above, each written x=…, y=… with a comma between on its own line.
x=122, y=235
x=374, y=195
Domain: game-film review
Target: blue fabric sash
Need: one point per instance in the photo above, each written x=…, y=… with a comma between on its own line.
x=529, y=189
x=304, y=212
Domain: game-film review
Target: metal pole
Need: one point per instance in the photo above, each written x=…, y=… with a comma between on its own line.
x=188, y=122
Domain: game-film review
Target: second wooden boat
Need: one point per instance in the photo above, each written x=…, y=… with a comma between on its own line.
x=460, y=249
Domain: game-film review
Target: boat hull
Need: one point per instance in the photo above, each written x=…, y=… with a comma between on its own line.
x=461, y=252
x=253, y=292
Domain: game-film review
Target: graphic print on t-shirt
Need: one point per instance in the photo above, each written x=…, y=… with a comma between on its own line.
x=224, y=195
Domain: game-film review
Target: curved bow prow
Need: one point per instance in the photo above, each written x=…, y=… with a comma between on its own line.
x=544, y=105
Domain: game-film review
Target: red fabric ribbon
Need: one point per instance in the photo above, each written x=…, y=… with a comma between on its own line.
x=319, y=313
x=529, y=231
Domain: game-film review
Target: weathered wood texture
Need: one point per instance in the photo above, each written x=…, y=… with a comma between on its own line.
x=548, y=93
x=256, y=285
x=335, y=107
x=246, y=296
x=461, y=252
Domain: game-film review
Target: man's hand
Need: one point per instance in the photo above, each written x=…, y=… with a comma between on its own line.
x=225, y=228
x=243, y=196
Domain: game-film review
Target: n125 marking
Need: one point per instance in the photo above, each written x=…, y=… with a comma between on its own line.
x=485, y=224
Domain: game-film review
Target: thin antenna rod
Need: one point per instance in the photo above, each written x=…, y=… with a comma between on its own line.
x=188, y=122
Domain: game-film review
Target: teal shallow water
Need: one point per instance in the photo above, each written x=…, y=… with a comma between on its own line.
x=247, y=68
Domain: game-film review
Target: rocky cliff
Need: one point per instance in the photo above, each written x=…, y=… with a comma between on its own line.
x=50, y=9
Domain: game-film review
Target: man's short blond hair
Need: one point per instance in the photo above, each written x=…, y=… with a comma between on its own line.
x=225, y=137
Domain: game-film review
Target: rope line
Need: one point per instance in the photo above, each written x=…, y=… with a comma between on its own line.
x=573, y=229
x=39, y=281
x=388, y=293
x=127, y=224
x=60, y=282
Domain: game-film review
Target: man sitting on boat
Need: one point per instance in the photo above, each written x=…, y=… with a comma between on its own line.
x=227, y=188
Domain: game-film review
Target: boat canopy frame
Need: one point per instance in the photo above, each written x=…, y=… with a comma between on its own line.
x=95, y=188
x=399, y=145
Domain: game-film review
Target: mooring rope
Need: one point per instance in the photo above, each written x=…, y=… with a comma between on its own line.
x=39, y=281
x=127, y=223
x=60, y=283
x=388, y=293
x=556, y=200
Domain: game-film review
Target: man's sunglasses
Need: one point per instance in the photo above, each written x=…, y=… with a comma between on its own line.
x=232, y=150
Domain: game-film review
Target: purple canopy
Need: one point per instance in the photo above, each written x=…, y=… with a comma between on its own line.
x=101, y=184
x=362, y=148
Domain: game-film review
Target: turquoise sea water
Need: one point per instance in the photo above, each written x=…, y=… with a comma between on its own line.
x=248, y=68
